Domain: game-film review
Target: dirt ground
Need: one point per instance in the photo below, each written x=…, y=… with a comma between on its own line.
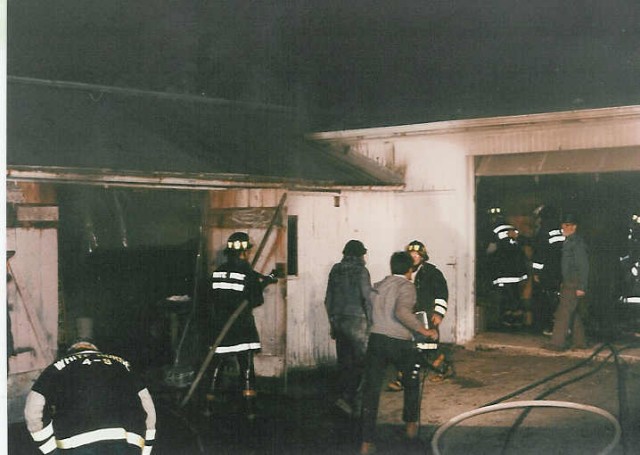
x=298, y=417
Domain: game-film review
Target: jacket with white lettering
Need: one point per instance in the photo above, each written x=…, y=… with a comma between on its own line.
x=230, y=285
x=89, y=398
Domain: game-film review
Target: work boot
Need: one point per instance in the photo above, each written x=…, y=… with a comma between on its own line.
x=207, y=410
x=396, y=385
x=250, y=403
x=367, y=448
x=412, y=430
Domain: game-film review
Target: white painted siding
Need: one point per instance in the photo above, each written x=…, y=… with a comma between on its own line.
x=437, y=161
x=384, y=222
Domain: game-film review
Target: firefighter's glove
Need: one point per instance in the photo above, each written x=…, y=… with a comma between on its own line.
x=271, y=278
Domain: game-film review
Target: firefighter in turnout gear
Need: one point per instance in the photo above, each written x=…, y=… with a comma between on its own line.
x=432, y=294
x=508, y=269
x=630, y=270
x=230, y=285
x=90, y=403
x=547, y=274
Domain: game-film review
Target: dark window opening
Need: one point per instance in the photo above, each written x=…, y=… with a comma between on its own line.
x=292, y=245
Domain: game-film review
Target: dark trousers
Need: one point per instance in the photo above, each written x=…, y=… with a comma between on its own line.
x=104, y=448
x=381, y=352
x=568, y=319
x=509, y=295
x=351, y=333
x=546, y=303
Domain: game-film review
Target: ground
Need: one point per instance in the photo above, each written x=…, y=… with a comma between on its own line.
x=298, y=418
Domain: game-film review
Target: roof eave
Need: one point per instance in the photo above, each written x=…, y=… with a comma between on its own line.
x=174, y=180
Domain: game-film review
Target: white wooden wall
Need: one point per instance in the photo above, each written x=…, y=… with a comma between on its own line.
x=385, y=222
x=32, y=298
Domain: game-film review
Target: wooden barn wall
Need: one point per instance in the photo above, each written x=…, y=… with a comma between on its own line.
x=251, y=211
x=32, y=294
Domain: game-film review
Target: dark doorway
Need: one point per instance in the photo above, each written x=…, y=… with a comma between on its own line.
x=122, y=253
x=604, y=204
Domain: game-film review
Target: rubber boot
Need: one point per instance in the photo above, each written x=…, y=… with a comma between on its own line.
x=249, y=396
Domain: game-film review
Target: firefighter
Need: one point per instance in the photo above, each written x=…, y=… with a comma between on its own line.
x=432, y=294
x=547, y=274
x=630, y=270
x=508, y=268
x=90, y=403
x=233, y=283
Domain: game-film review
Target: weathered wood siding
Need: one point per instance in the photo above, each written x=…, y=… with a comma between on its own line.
x=251, y=211
x=32, y=294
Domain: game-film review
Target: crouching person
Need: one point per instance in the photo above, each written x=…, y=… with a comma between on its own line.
x=90, y=403
x=391, y=342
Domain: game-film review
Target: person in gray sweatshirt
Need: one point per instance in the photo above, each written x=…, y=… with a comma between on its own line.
x=393, y=329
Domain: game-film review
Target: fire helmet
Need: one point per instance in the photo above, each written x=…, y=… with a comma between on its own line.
x=82, y=344
x=239, y=241
x=354, y=248
x=418, y=246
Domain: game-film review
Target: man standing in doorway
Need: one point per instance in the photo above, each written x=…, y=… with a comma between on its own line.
x=575, y=275
x=547, y=275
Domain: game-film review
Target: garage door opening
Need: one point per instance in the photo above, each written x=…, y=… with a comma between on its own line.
x=604, y=203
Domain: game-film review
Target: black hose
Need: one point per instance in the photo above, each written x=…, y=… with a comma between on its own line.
x=545, y=379
x=622, y=402
x=185, y=422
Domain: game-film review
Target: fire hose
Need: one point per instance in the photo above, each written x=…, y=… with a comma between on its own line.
x=529, y=404
x=498, y=404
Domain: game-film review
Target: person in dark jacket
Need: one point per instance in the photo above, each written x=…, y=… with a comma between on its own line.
x=630, y=279
x=432, y=296
x=547, y=275
x=90, y=403
x=568, y=325
x=392, y=342
x=348, y=306
x=508, y=265
x=230, y=285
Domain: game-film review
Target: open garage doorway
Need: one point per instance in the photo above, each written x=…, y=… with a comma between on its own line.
x=604, y=203
x=122, y=253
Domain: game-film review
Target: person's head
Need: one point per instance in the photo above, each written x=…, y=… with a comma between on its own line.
x=82, y=344
x=495, y=215
x=401, y=263
x=238, y=245
x=568, y=224
x=418, y=252
x=354, y=248
x=546, y=213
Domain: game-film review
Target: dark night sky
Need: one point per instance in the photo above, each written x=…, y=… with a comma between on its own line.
x=347, y=63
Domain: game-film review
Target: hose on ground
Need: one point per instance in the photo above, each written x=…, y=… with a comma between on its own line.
x=529, y=404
